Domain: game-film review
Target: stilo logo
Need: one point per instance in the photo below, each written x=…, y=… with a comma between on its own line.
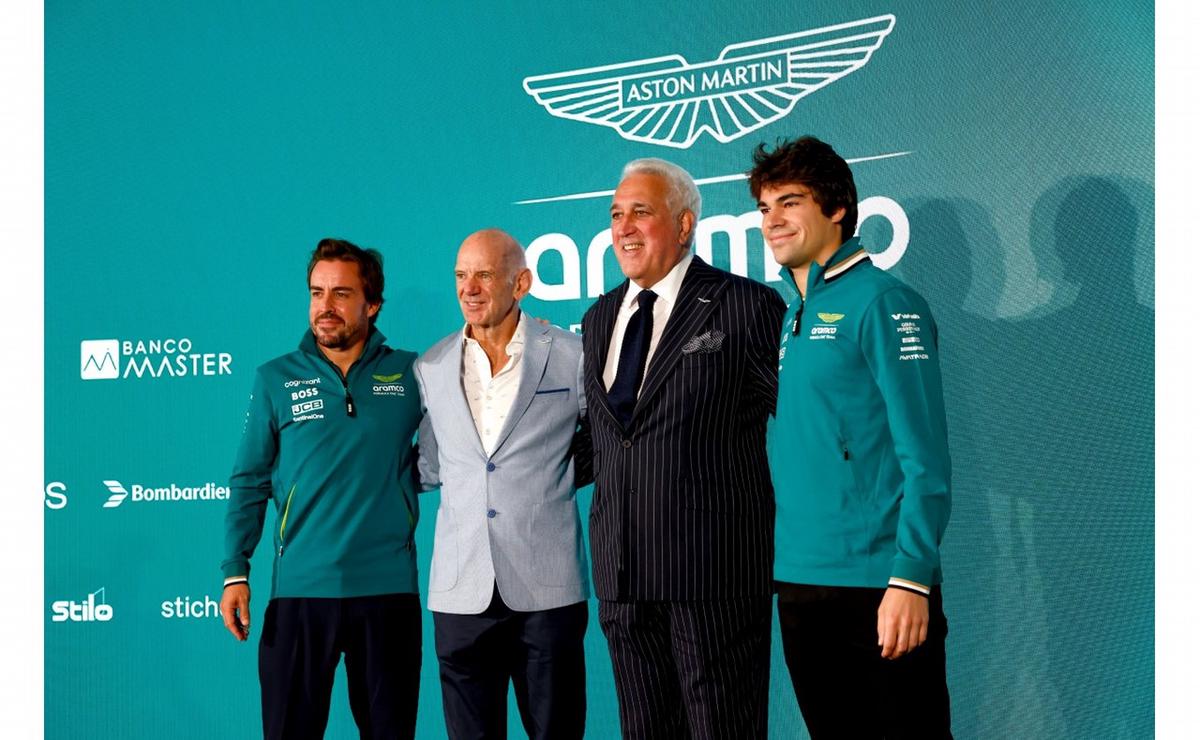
x=140, y=494
x=669, y=102
x=83, y=611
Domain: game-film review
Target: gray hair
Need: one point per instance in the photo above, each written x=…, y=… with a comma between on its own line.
x=682, y=192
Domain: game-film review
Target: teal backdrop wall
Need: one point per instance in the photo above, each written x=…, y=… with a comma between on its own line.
x=196, y=152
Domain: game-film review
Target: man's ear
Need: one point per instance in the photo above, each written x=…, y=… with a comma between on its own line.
x=687, y=225
x=522, y=284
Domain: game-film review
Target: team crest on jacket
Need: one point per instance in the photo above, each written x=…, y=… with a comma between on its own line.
x=670, y=102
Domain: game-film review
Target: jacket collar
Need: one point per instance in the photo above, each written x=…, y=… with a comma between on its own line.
x=847, y=257
x=375, y=340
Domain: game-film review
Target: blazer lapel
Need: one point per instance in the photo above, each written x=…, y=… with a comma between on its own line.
x=533, y=367
x=453, y=363
x=606, y=317
x=698, y=297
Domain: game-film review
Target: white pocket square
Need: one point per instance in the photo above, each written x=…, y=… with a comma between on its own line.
x=709, y=341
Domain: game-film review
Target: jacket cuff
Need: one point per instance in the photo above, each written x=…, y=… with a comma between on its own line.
x=235, y=567
x=912, y=571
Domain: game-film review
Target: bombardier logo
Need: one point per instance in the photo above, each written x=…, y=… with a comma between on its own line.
x=139, y=494
x=667, y=101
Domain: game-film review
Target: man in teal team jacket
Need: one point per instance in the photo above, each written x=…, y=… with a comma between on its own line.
x=328, y=437
x=860, y=464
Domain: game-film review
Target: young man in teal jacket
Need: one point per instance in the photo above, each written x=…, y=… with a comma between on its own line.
x=860, y=464
x=328, y=438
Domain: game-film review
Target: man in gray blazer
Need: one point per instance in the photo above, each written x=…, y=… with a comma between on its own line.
x=504, y=423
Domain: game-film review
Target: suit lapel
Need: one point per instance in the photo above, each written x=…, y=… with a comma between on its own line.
x=453, y=366
x=698, y=297
x=606, y=317
x=533, y=367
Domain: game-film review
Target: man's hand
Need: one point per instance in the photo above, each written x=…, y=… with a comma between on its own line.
x=235, y=610
x=903, y=622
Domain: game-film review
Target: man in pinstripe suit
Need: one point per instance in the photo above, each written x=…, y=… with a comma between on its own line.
x=680, y=374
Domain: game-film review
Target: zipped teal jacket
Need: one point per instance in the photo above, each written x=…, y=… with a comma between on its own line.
x=858, y=447
x=335, y=456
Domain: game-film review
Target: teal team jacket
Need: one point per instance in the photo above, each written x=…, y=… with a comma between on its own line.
x=858, y=448
x=336, y=459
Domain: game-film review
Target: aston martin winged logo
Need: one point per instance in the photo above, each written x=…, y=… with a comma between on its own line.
x=669, y=102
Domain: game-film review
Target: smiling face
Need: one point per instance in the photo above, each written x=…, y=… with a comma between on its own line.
x=490, y=279
x=794, y=227
x=647, y=237
x=338, y=311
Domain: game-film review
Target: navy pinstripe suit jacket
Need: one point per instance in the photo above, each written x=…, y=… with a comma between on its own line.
x=683, y=507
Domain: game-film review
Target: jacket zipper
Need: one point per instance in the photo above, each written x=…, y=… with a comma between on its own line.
x=287, y=507
x=796, y=319
x=345, y=378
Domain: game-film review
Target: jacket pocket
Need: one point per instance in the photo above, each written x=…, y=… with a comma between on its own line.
x=555, y=532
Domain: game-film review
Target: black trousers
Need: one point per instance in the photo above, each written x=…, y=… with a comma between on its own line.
x=845, y=689
x=697, y=669
x=302, y=642
x=541, y=652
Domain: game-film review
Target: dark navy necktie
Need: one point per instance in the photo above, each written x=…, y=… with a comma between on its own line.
x=631, y=365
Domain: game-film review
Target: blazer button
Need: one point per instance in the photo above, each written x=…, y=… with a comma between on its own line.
x=491, y=513
x=626, y=444
x=491, y=467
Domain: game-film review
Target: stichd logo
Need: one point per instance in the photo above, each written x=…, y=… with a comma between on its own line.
x=174, y=492
x=95, y=608
x=110, y=359
x=186, y=607
x=669, y=102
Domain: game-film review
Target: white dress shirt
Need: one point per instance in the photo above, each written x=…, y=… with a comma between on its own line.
x=491, y=396
x=668, y=291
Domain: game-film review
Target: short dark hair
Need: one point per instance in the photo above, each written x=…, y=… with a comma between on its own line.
x=369, y=261
x=815, y=165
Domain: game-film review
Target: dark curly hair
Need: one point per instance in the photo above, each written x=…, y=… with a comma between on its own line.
x=812, y=163
x=369, y=261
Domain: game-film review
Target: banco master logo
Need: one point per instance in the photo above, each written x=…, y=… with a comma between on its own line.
x=669, y=102
x=108, y=359
x=118, y=493
x=98, y=359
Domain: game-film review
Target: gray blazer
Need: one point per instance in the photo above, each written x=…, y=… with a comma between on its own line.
x=510, y=518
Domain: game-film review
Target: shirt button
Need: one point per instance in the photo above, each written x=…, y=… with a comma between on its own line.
x=626, y=443
x=491, y=513
x=490, y=468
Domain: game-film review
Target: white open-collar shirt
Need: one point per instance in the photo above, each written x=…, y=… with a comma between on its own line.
x=490, y=396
